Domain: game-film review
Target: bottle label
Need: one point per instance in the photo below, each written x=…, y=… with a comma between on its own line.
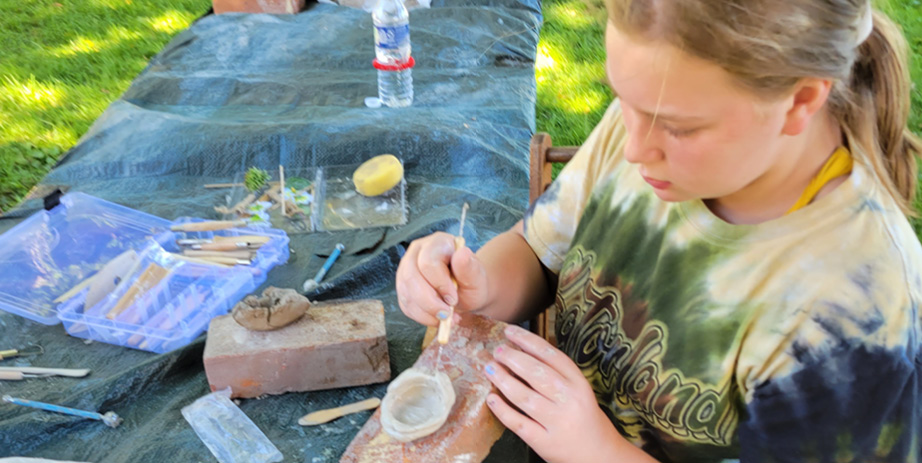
x=392, y=37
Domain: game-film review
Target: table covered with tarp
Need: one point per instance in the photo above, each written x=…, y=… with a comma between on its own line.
x=235, y=91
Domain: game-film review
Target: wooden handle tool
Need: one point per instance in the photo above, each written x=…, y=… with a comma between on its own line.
x=208, y=226
x=325, y=416
x=222, y=246
x=445, y=325
x=70, y=372
x=251, y=239
x=152, y=275
x=236, y=254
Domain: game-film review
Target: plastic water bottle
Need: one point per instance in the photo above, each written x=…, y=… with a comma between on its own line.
x=392, y=53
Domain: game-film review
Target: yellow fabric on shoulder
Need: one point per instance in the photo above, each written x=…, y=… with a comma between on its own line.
x=839, y=164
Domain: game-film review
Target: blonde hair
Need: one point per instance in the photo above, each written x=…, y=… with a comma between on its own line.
x=770, y=45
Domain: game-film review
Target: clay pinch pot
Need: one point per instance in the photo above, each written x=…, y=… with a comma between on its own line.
x=276, y=308
x=417, y=404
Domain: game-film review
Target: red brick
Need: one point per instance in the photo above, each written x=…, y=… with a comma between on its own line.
x=335, y=344
x=258, y=6
x=471, y=428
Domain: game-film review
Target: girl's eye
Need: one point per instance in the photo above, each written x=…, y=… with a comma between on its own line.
x=679, y=133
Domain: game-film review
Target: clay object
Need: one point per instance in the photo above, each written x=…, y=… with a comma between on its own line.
x=417, y=404
x=471, y=429
x=276, y=308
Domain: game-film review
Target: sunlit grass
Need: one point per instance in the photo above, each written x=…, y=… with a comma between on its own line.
x=572, y=94
x=61, y=64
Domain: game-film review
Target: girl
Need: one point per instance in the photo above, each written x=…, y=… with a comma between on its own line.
x=729, y=251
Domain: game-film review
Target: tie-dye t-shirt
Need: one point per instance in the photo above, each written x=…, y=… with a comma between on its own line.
x=793, y=340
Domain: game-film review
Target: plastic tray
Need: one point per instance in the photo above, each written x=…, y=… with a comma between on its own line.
x=179, y=307
x=335, y=205
x=52, y=251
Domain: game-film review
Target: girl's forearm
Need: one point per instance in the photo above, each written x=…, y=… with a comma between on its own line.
x=516, y=282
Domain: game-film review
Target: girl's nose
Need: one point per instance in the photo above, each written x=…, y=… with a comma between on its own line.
x=640, y=148
x=642, y=145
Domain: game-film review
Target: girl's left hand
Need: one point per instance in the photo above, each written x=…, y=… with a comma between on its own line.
x=562, y=420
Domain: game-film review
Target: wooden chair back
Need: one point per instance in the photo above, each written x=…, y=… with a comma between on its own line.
x=542, y=157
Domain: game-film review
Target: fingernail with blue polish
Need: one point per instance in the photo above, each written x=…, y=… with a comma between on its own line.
x=490, y=370
x=442, y=315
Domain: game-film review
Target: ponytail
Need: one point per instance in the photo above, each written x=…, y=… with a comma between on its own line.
x=874, y=111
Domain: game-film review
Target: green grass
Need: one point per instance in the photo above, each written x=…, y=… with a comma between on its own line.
x=61, y=64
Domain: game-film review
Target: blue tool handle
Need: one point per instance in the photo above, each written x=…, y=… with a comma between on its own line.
x=329, y=263
x=52, y=408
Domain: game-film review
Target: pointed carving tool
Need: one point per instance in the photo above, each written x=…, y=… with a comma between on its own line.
x=445, y=325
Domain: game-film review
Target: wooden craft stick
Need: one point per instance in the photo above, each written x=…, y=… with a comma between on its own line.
x=76, y=289
x=325, y=416
x=152, y=275
x=242, y=254
x=282, y=187
x=208, y=226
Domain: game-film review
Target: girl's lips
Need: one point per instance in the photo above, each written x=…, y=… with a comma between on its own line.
x=658, y=184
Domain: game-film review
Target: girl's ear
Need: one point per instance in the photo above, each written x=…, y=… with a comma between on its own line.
x=808, y=98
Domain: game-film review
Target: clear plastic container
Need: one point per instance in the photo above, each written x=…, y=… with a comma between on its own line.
x=177, y=308
x=49, y=253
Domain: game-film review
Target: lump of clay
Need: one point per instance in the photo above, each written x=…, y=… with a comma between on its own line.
x=277, y=307
x=416, y=404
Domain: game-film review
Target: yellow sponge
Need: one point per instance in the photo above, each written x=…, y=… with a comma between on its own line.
x=377, y=175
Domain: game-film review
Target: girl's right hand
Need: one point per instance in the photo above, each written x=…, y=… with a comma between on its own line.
x=424, y=287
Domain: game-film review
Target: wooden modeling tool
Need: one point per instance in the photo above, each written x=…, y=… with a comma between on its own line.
x=445, y=325
x=69, y=372
x=152, y=275
x=325, y=416
x=208, y=226
x=110, y=276
x=251, y=239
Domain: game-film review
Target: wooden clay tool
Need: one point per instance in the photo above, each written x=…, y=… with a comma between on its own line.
x=445, y=325
x=208, y=226
x=325, y=416
x=152, y=275
x=70, y=372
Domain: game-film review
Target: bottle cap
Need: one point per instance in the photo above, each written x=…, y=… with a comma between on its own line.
x=393, y=67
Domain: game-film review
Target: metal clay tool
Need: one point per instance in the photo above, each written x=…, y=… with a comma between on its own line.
x=31, y=350
x=109, y=418
x=312, y=284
